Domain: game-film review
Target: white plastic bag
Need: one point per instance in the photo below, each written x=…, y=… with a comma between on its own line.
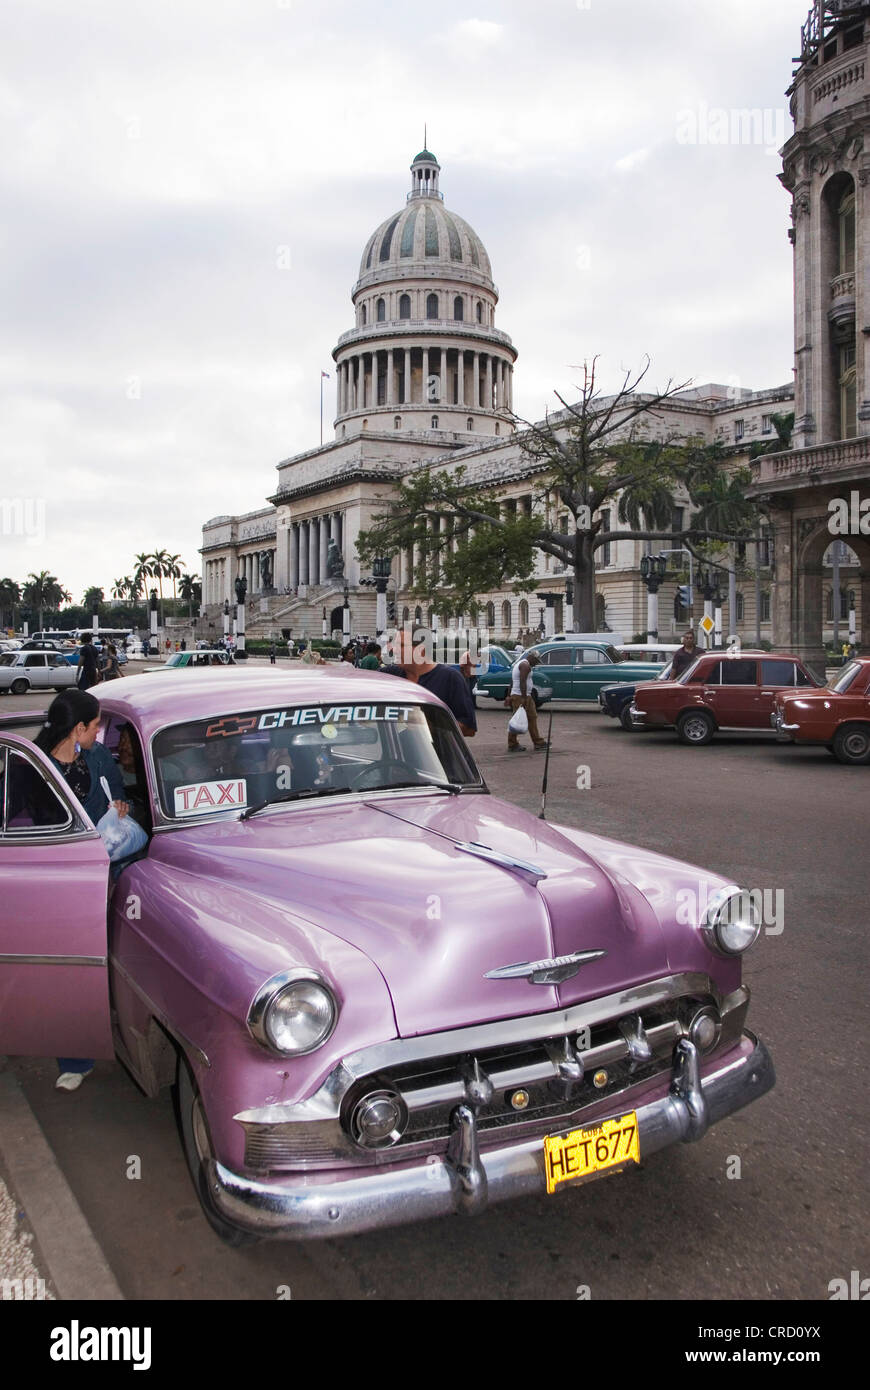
x=121, y=835
x=519, y=721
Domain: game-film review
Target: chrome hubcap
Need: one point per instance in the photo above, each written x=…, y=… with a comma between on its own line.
x=695, y=729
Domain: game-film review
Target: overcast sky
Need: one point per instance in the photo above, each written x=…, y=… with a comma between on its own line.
x=187, y=185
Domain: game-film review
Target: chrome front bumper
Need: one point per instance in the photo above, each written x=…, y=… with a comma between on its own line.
x=311, y=1206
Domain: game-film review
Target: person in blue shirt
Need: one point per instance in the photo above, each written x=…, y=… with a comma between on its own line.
x=68, y=737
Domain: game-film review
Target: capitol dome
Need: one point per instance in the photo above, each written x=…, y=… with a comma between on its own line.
x=424, y=353
x=424, y=235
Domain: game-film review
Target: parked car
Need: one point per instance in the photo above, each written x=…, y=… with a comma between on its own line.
x=42, y=670
x=572, y=671
x=182, y=661
x=837, y=714
x=648, y=651
x=617, y=700
x=45, y=644
x=350, y=1052
x=719, y=691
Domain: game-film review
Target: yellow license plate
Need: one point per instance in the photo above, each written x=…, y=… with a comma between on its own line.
x=587, y=1151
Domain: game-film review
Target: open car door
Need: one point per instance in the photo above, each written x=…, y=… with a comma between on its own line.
x=54, y=875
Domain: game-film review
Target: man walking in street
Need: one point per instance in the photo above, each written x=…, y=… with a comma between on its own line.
x=89, y=664
x=271, y=653
x=685, y=656
x=521, y=697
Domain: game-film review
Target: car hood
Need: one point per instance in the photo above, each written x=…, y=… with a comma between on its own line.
x=387, y=876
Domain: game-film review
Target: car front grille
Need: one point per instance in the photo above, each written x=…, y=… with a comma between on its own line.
x=555, y=1099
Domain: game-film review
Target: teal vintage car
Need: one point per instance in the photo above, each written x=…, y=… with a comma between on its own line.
x=570, y=670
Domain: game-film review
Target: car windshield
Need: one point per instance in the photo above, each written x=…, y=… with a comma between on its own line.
x=260, y=757
x=689, y=673
x=843, y=679
x=665, y=673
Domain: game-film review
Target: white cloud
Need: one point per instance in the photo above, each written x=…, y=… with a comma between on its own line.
x=631, y=161
x=480, y=31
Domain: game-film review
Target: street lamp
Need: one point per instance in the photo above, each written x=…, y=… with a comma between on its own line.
x=652, y=571
x=345, y=615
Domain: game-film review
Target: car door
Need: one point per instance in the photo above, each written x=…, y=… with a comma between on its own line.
x=775, y=675
x=37, y=669
x=557, y=668
x=592, y=669
x=54, y=874
x=731, y=691
x=60, y=673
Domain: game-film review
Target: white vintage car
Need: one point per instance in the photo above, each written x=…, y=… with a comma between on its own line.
x=23, y=671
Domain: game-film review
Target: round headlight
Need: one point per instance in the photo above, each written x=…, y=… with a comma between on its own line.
x=732, y=921
x=293, y=1013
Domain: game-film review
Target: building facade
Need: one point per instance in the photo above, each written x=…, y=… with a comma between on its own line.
x=424, y=376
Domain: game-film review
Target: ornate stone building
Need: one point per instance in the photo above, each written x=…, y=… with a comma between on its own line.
x=425, y=376
x=826, y=168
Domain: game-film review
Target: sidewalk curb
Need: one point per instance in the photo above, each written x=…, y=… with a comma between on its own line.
x=77, y=1267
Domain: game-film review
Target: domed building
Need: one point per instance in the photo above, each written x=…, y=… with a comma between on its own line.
x=424, y=353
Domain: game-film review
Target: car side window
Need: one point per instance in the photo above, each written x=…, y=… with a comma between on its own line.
x=738, y=672
x=557, y=656
x=593, y=657
x=30, y=805
x=34, y=659
x=777, y=673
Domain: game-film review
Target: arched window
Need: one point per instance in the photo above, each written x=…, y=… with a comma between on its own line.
x=380, y=310
x=397, y=422
x=363, y=315
x=847, y=600
x=490, y=616
x=740, y=607
x=765, y=606
x=434, y=422
x=469, y=424
x=405, y=307
x=846, y=218
x=479, y=312
x=431, y=306
x=505, y=617
x=418, y=614
x=365, y=424
x=458, y=310
x=406, y=615
x=497, y=428
x=524, y=613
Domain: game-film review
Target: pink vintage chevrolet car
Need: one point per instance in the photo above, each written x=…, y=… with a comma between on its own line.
x=381, y=993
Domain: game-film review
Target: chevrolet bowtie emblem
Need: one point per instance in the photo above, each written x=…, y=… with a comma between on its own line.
x=545, y=972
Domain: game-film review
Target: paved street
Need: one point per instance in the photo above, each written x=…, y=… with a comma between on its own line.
x=768, y=816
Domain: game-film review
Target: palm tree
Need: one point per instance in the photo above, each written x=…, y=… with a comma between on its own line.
x=141, y=572
x=43, y=591
x=159, y=560
x=172, y=570
x=121, y=587
x=190, y=589
x=92, y=599
x=10, y=597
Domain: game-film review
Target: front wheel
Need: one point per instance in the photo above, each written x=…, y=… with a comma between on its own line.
x=19, y=687
x=625, y=718
x=197, y=1145
x=695, y=727
x=852, y=744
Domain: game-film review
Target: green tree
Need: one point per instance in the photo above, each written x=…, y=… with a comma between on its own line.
x=596, y=456
x=93, y=599
x=10, y=597
x=43, y=591
x=190, y=590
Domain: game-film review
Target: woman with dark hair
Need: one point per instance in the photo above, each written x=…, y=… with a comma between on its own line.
x=110, y=668
x=89, y=663
x=68, y=737
x=348, y=653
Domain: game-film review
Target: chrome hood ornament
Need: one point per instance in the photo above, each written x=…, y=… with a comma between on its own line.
x=545, y=972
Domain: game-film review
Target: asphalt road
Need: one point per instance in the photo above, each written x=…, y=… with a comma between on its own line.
x=765, y=815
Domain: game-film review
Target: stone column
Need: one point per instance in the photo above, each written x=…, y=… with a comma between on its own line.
x=488, y=401
x=424, y=392
x=460, y=377
x=406, y=394
x=324, y=551
x=293, y=577
x=475, y=381
x=390, y=392
x=303, y=552
x=373, y=392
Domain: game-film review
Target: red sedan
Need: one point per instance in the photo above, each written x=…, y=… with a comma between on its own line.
x=837, y=715
x=720, y=691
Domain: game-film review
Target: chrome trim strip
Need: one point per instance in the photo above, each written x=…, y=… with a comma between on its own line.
x=52, y=960
x=544, y=972
x=532, y=873
x=306, y=1208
